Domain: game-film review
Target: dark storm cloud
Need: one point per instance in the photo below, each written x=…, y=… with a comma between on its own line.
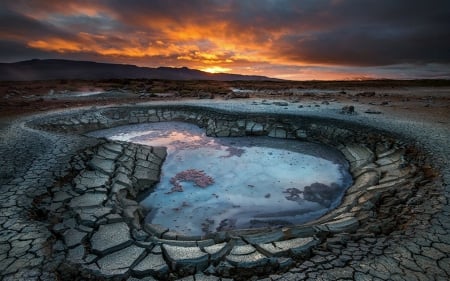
x=11, y=51
x=336, y=32
x=16, y=25
x=231, y=33
x=374, y=45
x=376, y=34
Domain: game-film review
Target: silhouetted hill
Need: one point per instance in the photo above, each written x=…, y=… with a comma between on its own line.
x=67, y=69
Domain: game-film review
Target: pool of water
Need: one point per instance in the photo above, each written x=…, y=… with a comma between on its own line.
x=214, y=184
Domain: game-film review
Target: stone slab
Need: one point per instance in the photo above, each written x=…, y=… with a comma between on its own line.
x=76, y=254
x=243, y=250
x=73, y=237
x=90, y=179
x=106, y=166
x=217, y=251
x=254, y=259
x=297, y=246
x=152, y=264
x=349, y=224
x=90, y=199
x=111, y=237
x=186, y=257
x=122, y=259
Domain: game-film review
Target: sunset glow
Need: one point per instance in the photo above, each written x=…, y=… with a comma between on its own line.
x=216, y=69
x=299, y=40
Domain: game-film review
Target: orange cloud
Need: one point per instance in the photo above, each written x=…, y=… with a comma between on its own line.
x=287, y=39
x=214, y=47
x=57, y=45
x=39, y=10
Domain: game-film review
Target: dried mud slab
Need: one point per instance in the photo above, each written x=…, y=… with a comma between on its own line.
x=392, y=223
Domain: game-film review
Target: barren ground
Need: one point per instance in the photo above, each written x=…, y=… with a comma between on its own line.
x=416, y=110
x=417, y=100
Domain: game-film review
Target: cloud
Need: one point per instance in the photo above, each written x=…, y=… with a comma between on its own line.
x=367, y=46
x=283, y=35
x=19, y=27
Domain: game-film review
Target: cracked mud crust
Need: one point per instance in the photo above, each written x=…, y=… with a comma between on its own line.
x=69, y=202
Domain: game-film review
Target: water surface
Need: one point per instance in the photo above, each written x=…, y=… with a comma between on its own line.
x=213, y=184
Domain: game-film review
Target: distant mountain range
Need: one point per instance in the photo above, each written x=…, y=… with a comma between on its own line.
x=51, y=69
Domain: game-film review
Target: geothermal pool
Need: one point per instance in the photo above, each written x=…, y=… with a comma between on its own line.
x=216, y=184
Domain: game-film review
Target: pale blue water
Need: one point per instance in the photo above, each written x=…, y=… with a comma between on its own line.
x=258, y=181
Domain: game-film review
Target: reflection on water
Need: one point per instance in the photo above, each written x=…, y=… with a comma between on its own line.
x=212, y=184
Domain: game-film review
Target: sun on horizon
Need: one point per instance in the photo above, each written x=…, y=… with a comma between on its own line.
x=295, y=40
x=216, y=69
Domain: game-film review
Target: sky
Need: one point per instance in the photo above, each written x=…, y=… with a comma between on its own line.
x=295, y=40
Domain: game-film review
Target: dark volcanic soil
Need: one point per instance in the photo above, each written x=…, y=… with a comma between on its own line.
x=428, y=99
